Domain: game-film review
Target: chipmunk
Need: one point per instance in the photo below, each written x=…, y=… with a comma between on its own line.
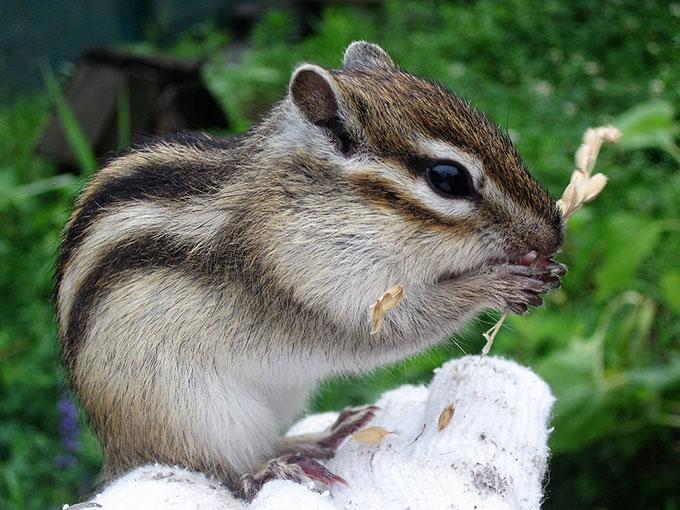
x=206, y=285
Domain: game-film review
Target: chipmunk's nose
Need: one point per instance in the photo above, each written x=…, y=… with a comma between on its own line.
x=544, y=239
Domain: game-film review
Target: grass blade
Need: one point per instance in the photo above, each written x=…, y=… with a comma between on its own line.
x=75, y=137
x=124, y=116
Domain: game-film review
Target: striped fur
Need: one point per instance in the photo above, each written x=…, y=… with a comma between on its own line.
x=205, y=285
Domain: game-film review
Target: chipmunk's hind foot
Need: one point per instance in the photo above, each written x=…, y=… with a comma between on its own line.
x=298, y=468
x=296, y=454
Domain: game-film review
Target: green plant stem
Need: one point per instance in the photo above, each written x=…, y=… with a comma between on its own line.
x=45, y=185
x=124, y=116
x=667, y=420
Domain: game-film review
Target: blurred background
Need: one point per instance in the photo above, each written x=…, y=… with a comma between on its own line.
x=80, y=78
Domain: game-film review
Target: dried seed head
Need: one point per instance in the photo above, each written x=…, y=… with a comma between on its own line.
x=609, y=134
x=568, y=201
x=392, y=297
x=591, y=137
x=583, y=187
x=377, y=316
x=595, y=184
x=582, y=157
x=579, y=181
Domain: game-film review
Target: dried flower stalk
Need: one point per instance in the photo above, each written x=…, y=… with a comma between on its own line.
x=584, y=187
x=384, y=304
x=420, y=434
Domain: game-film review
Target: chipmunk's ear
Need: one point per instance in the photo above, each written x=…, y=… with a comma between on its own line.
x=313, y=93
x=364, y=55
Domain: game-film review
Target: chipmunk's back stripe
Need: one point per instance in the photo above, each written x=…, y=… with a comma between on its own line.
x=149, y=251
x=169, y=182
x=154, y=251
x=195, y=223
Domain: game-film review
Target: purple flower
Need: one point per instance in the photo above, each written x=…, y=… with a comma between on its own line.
x=65, y=461
x=68, y=431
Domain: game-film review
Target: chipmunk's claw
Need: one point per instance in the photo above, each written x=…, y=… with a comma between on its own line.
x=298, y=464
x=297, y=468
x=526, y=282
x=316, y=471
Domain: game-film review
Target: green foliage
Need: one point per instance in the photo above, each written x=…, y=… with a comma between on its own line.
x=670, y=289
x=75, y=137
x=604, y=392
x=650, y=125
x=630, y=240
x=608, y=342
x=34, y=205
x=124, y=117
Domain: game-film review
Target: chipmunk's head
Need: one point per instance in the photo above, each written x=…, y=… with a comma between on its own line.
x=429, y=179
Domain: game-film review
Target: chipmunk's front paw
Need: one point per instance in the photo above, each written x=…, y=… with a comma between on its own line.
x=521, y=285
x=297, y=468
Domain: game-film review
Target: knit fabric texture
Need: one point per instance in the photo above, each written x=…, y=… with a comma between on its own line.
x=492, y=454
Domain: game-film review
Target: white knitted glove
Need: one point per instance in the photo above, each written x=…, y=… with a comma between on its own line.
x=492, y=455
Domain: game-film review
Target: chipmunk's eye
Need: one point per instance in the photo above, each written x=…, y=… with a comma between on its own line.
x=450, y=179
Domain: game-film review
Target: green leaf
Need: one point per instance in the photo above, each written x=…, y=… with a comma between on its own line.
x=670, y=289
x=629, y=240
x=580, y=415
x=124, y=120
x=649, y=125
x=13, y=486
x=657, y=378
x=564, y=367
